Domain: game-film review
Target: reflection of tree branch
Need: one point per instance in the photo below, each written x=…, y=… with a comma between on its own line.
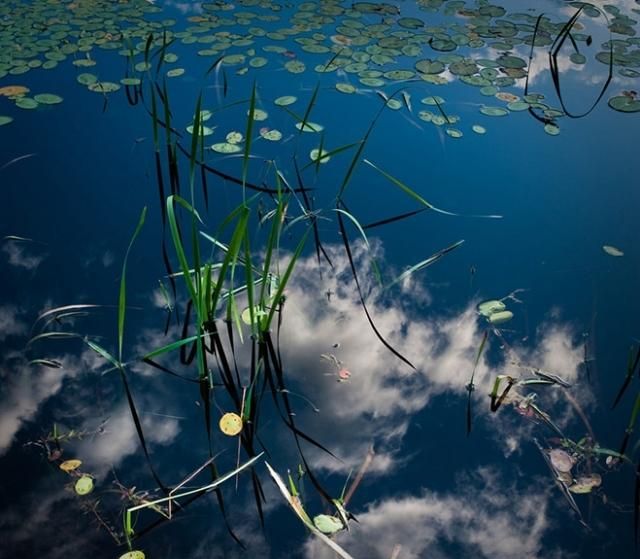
x=356, y=481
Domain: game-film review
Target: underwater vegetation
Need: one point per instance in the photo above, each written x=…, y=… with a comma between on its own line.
x=238, y=209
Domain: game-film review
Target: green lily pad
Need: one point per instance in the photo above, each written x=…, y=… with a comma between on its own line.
x=500, y=317
x=5, y=120
x=432, y=100
x=624, y=104
x=285, y=100
x=103, y=87
x=316, y=155
x=490, y=307
x=259, y=114
x=26, y=103
x=310, y=127
x=479, y=129
x=131, y=81
x=552, y=129
x=84, y=485
x=494, y=111
x=454, y=132
x=204, y=130
x=271, y=135
x=345, y=88
x=47, y=98
x=328, y=524
x=295, y=66
x=175, y=72
x=225, y=147
x=134, y=554
x=86, y=79
x=258, y=62
x=234, y=137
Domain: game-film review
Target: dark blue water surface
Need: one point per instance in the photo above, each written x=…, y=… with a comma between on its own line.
x=534, y=208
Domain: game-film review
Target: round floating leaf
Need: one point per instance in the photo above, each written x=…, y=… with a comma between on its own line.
x=578, y=58
x=429, y=66
x=84, y=485
x=47, y=98
x=489, y=90
x=170, y=57
x=259, y=114
x=399, y=75
x=134, y=554
x=372, y=82
x=86, y=79
x=175, y=72
x=142, y=66
x=345, y=88
x=234, y=137
x=561, y=460
x=612, y=251
x=5, y=120
x=552, y=129
x=225, y=147
x=204, y=130
x=271, y=135
x=285, y=100
x=310, y=127
x=316, y=155
x=500, y=317
x=230, y=424
x=233, y=59
x=432, y=100
x=518, y=106
x=295, y=66
x=328, y=524
x=258, y=62
x=479, y=129
x=103, y=87
x=490, y=307
x=26, y=103
x=13, y=90
x=494, y=111
x=130, y=81
x=394, y=104
x=70, y=465
x=624, y=104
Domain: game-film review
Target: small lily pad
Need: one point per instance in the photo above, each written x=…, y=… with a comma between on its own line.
x=285, y=100
x=328, y=524
x=134, y=554
x=234, y=137
x=230, y=424
x=225, y=147
x=315, y=156
x=479, y=129
x=5, y=120
x=489, y=307
x=84, y=485
x=271, y=135
x=309, y=127
x=500, y=317
x=70, y=465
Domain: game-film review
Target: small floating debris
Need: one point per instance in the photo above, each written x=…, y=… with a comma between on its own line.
x=612, y=251
x=230, y=424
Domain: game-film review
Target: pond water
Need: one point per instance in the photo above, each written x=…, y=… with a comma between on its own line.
x=375, y=261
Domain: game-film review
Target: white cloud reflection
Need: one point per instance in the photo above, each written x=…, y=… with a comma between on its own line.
x=383, y=394
x=484, y=517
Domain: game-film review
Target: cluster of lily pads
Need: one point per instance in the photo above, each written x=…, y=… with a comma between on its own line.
x=495, y=311
x=372, y=42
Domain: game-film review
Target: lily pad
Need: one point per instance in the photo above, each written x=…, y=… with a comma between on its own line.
x=285, y=100
x=204, y=130
x=328, y=524
x=494, y=111
x=175, y=72
x=561, y=460
x=500, y=317
x=259, y=114
x=309, y=127
x=624, y=104
x=345, y=88
x=234, y=137
x=490, y=307
x=134, y=554
x=84, y=485
x=5, y=120
x=479, y=129
x=230, y=424
x=103, y=87
x=225, y=147
x=70, y=465
x=86, y=79
x=271, y=135
x=26, y=103
x=316, y=155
